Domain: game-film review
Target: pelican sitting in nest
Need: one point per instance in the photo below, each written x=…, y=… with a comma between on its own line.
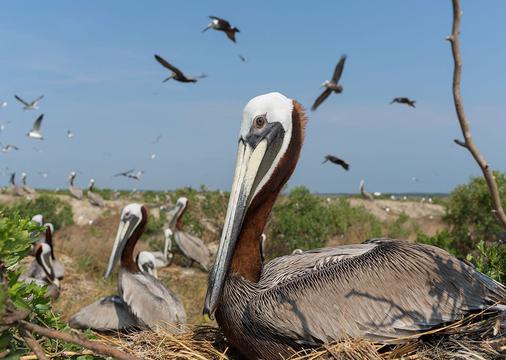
x=153, y=260
x=190, y=246
x=143, y=301
x=35, y=270
x=42, y=254
x=382, y=290
x=94, y=198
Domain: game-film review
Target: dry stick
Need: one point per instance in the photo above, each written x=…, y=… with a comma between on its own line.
x=464, y=125
x=92, y=345
x=32, y=343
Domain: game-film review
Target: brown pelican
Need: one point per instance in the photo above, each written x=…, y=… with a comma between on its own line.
x=42, y=253
x=222, y=25
x=33, y=105
x=16, y=190
x=191, y=247
x=35, y=270
x=380, y=290
x=74, y=191
x=131, y=174
x=35, y=132
x=335, y=160
x=366, y=195
x=176, y=73
x=28, y=189
x=143, y=300
x=332, y=85
x=403, y=100
x=94, y=198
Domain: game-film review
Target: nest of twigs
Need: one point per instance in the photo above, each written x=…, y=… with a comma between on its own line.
x=480, y=336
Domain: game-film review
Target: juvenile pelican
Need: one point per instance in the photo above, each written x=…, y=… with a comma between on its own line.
x=35, y=270
x=159, y=258
x=191, y=246
x=33, y=105
x=143, y=300
x=94, y=198
x=28, y=189
x=74, y=191
x=379, y=290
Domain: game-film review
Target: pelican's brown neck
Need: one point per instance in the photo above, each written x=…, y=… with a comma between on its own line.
x=179, y=222
x=127, y=256
x=247, y=258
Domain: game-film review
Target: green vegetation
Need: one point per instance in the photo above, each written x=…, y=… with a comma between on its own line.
x=304, y=221
x=469, y=212
x=16, y=239
x=54, y=210
x=473, y=230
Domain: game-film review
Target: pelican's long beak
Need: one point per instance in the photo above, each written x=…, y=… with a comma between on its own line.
x=125, y=230
x=253, y=161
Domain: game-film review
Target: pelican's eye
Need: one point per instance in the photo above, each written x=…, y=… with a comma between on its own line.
x=260, y=122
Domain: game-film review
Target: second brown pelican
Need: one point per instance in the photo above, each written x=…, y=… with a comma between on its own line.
x=42, y=254
x=191, y=246
x=143, y=300
x=332, y=85
x=16, y=190
x=94, y=198
x=404, y=100
x=366, y=195
x=35, y=270
x=335, y=160
x=74, y=191
x=380, y=290
x=176, y=73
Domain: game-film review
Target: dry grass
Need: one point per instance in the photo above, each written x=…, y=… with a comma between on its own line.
x=471, y=338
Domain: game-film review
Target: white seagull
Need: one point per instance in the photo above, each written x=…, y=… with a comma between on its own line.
x=3, y=104
x=70, y=134
x=35, y=132
x=34, y=105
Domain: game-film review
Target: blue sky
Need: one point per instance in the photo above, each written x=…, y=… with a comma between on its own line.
x=93, y=61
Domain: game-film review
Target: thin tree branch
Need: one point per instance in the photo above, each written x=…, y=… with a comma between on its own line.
x=95, y=346
x=32, y=344
x=459, y=142
x=461, y=116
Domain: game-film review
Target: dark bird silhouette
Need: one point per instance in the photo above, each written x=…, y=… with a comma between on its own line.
x=331, y=85
x=222, y=25
x=337, y=161
x=176, y=73
x=403, y=100
x=243, y=59
x=130, y=174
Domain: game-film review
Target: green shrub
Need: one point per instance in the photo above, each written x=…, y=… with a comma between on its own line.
x=16, y=238
x=443, y=240
x=305, y=221
x=469, y=212
x=490, y=259
x=54, y=210
x=397, y=228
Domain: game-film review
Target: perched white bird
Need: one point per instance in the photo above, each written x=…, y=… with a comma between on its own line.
x=34, y=105
x=35, y=132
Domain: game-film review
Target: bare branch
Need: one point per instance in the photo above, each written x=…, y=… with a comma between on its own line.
x=459, y=142
x=32, y=344
x=461, y=116
x=95, y=346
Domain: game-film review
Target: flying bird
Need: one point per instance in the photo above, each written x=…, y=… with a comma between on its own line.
x=157, y=139
x=9, y=147
x=331, y=85
x=34, y=105
x=382, y=290
x=403, y=100
x=35, y=132
x=153, y=156
x=243, y=59
x=222, y=25
x=70, y=134
x=335, y=160
x=3, y=104
x=176, y=73
x=130, y=174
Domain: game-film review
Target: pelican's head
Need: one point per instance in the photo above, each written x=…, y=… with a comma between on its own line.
x=325, y=84
x=270, y=123
x=131, y=217
x=23, y=176
x=181, y=205
x=38, y=219
x=146, y=263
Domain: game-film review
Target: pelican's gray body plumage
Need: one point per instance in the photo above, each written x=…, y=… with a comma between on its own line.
x=366, y=195
x=352, y=291
x=108, y=313
x=94, y=198
x=74, y=191
x=193, y=248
